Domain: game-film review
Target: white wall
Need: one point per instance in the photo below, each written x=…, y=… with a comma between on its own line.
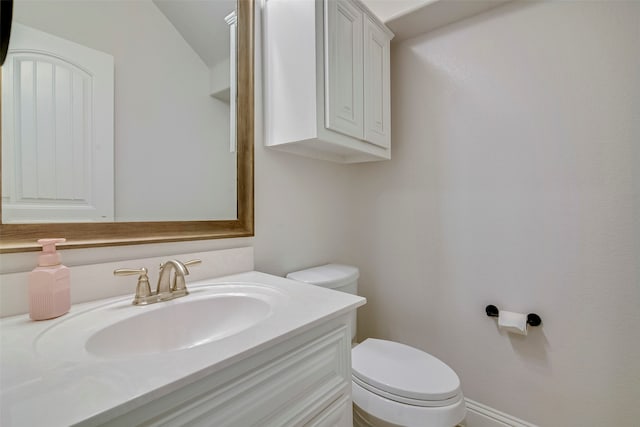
x=170, y=134
x=515, y=180
x=302, y=205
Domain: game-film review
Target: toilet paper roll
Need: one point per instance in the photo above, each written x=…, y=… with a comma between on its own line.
x=512, y=322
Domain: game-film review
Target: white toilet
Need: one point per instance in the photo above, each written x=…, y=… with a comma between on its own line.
x=393, y=384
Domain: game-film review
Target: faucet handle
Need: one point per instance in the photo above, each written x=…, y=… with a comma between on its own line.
x=143, y=289
x=190, y=262
x=193, y=262
x=130, y=271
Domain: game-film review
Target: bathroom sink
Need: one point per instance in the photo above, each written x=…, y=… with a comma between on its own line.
x=119, y=330
x=179, y=326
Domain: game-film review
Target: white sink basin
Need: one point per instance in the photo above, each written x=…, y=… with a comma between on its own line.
x=119, y=329
x=179, y=326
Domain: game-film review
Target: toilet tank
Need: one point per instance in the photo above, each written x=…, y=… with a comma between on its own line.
x=343, y=278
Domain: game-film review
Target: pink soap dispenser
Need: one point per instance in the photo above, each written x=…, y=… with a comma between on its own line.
x=49, y=290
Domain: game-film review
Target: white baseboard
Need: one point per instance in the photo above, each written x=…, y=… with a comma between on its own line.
x=479, y=415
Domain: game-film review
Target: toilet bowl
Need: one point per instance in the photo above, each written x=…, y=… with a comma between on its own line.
x=393, y=384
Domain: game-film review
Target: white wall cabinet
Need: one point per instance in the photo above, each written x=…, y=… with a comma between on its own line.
x=327, y=90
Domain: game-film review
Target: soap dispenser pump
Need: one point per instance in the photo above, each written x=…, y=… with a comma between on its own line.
x=49, y=284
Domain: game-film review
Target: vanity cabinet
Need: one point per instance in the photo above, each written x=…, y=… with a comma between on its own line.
x=327, y=80
x=304, y=381
x=249, y=349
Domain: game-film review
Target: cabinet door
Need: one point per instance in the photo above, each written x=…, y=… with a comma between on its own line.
x=339, y=414
x=377, y=111
x=343, y=68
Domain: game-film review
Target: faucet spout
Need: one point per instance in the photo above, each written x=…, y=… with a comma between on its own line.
x=165, y=287
x=169, y=286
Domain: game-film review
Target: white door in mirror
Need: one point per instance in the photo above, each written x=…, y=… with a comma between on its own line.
x=57, y=130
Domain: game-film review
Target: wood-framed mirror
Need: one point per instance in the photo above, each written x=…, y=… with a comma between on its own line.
x=20, y=237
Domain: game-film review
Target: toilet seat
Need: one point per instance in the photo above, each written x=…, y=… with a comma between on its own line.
x=371, y=409
x=406, y=400
x=404, y=374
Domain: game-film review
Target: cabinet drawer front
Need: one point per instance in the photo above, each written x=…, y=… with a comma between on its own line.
x=290, y=390
x=344, y=87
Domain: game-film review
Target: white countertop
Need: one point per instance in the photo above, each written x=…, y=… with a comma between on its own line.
x=67, y=385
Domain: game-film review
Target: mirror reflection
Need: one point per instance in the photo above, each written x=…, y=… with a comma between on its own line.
x=119, y=111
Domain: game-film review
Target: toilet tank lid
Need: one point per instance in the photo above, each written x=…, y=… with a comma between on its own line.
x=328, y=275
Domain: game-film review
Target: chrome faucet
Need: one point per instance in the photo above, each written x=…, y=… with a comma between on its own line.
x=169, y=286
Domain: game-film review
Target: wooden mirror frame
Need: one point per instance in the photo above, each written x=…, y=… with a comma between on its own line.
x=22, y=237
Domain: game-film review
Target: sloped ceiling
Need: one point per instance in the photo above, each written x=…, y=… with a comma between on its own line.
x=201, y=23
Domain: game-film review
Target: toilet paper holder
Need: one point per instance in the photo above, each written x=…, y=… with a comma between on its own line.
x=532, y=318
